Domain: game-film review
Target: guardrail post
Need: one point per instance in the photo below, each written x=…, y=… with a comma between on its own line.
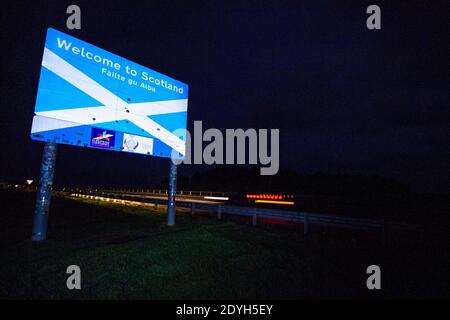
x=305, y=223
x=219, y=212
x=44, y=194
x=171, y=206
x=254, y=217
x=193, y=208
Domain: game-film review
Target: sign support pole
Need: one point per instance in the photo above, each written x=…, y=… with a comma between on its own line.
x=171, y=194
x=44, y=192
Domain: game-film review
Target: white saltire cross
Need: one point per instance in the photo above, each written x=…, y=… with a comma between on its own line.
x=114, y=108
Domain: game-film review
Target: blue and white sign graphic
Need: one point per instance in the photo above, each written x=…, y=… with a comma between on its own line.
x=93, y=98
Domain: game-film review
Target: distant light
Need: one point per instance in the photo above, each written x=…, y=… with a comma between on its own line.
x=275, y=202
x=29, y=182
x=269, y=196
x=216, y=198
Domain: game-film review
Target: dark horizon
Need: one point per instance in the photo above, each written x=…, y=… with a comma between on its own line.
x=347, y=100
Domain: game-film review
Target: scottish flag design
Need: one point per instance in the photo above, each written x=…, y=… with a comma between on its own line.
x=84, y=90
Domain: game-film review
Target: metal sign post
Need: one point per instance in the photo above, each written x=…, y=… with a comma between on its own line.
x=171, y=194
x=44, y=192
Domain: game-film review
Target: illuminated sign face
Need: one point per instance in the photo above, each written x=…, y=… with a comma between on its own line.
x=93, y=98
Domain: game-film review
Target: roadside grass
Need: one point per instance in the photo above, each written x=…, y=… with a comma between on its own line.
x=128, y=252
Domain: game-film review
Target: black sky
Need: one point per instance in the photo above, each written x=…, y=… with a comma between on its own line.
x=346, y=99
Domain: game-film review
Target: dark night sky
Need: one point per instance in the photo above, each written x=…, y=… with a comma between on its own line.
x=346, y=99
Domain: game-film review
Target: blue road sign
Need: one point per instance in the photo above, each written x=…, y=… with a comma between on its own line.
x=90, y=97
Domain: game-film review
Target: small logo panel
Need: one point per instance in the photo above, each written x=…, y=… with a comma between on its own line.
x=101, y=138
x=137, y=144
